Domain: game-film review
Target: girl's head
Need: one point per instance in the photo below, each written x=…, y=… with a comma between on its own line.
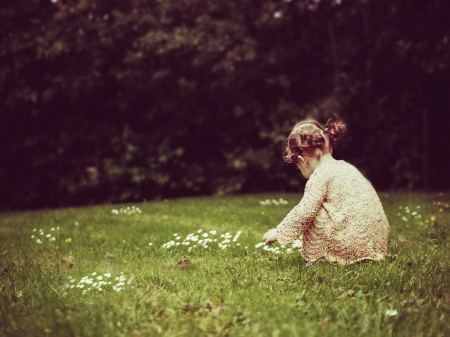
x=309, y=139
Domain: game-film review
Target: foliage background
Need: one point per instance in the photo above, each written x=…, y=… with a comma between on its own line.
x=113, y=101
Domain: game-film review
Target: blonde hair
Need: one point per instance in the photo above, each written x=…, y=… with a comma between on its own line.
x=308, y=136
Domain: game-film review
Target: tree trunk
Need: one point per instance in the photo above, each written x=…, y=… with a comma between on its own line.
x=333, y=43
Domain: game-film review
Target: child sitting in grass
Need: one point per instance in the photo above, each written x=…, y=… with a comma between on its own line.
x=340, y=217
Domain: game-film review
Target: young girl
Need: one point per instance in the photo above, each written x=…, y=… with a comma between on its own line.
x=340, y=216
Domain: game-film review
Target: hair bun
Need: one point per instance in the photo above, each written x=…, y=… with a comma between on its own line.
x=335, y=128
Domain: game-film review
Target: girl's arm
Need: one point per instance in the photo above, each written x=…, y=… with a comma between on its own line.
x=301, y=215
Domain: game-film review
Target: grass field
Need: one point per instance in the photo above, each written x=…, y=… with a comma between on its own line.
x=112, y=271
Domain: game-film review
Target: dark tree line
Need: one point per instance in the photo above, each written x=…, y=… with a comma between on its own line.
x=125, y=100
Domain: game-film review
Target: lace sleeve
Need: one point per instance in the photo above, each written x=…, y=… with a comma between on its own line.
x=302, y=214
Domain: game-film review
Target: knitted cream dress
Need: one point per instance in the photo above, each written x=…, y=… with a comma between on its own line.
x=340, y=217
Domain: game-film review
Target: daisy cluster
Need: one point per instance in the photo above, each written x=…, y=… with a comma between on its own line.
x=269, y=202
x=296, y=245
x=410, y=215
x=203, y=239
x=127, y=210
x=40, y=236
x=99, y=282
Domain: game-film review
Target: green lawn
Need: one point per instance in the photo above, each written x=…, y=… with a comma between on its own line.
x=230, y=288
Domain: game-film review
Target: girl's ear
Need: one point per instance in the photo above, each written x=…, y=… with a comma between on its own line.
x=303, y=160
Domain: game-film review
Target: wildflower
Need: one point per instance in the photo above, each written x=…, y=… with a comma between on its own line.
x=94, y=273
x=48, y=236
x=124, y=242
x=433, y=218
x=440, y=210
x=297, y=243
x=150, y=244
x=52, y=229
x=76, y=223
x=391, y=313
x=32, y=236
x=34, y=230
x=68, y=240
x=39, y=241
x=282, y=201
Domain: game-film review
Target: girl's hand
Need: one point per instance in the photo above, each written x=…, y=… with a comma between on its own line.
x=270, y=237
